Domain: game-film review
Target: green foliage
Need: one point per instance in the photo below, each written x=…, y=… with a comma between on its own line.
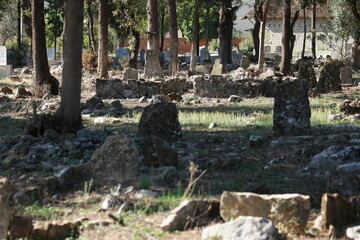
x=145, y=182
x=54, y=19
x=246, y=46
x=3, y=6
x=214, y=45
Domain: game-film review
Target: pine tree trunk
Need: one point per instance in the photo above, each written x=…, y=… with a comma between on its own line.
x=225, y=31
x=68, y=115
x=313, y=30
x=292, y=35
x=103, y=39
x=90, y=16
x=195, y=36
x=286, y=38
x=255, y=37
x=19, y=33
x=42, y=77
x=207, y=26
x=162, y=29
x=173, y=66
x=135, y=52
x=153, y=27
x=356, y=53
x=304, y=40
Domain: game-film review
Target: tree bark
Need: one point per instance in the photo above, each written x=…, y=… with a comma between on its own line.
x=19, y=32
x=293, y=37
x=207, y=26
x=173, y=66
x=162, y=29
x=103, y=39
x=195, y=36
x=304, y=40
x=225, y=31
x=255, y=37
x=90, y=16
x=262, y=12
x=313, y=30
x=153, y=27
x=42, y=75
x=135, y=51
x=286, y=38
x=356, y=53
x=68, y=115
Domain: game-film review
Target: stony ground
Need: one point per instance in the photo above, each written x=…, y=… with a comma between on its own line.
x=232, y=164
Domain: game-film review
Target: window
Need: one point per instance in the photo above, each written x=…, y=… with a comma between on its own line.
x=278, y=49
x=267, y=49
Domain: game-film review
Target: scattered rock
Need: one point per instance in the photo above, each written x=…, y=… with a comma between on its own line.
x=22, y=93
x=69, y=176
x=243, y=227
x=289, y=210
x=218, y=69
x=245, y=62
x=130, y=74
x=330, y=76
x=100, y=120
x=94, y=103
x=213, y=125
x=353, y=233
x=6, y=90
x=234, y=98
x=256, y=141
x=116, y=161
x=143, y=99
x=21, y=227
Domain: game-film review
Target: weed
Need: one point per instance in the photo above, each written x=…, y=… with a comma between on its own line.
x=145, y=182
x=38, y=210
x=87, y=187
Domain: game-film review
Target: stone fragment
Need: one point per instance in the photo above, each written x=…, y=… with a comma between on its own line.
x=6, y=90
x=174, y=97
x=25, y=70
x=143, y=99
x=353, y=233
x=245, y=62
x=21, y=227
x=94, y=102
x=348, y=107
x=116, y=161
x=28, y=195
x=243, y=227
x=160, y=120
x=330, y=76
x=69, y=176
x=291, y=108
x=306, y=71
x=255, y=141
x=213, y=125
x=100, y=120
x=178, y=85
x=22, y=93
x=7, y=206
x=218, y=69
x=234, y=98
x=180, y=217
x=290, y=210
x=130, y=74
x=339, y=210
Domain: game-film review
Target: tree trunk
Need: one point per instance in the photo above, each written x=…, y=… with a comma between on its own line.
x=19, y=33
x=207, y=26
x=90, y=16
x=262, y=12
x=68, y=115
x=304, y=40
x=153, y=27
x=162, y=29
x=313, y=30
x=286, y=38
x=195, y=36
x=135, y=51
x=255, y=37
x=42, y=75
x=225, y=31
x=293, y=37
x=103, y=39
x=356, y=53
x=173, y=65
x=54, y=47
x=26, y=7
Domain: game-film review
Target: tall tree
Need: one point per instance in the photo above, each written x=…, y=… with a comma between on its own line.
x=91, y=32
x=42, y=76
x=68, y=115
x=355, y=9
x=286, y=38
x=174, y=63
x=103, y=39
x=195, y=36
x=313, y=29
x=261, y=11
x=54, y=20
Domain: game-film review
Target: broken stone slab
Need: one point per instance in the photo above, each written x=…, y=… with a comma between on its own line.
x=353, y=233
x=306, y=71
x=69, y=176
x=339, y=210
x=330, y=76
x=245, y=62
x=116, y=161
x=130, y=74
x=291, y=108
x=243, y=227
x=234, y=98
x=7, y=206
x=290, y=210
x=160, y=120
x=180, y=217
x=176, y=85
x=256, y=141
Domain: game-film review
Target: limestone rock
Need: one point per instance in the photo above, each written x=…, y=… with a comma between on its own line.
x=338, y=210
x=7, y=208
x=291, y=210
x=234, y=98
x=306, y=71
x=72, y=175
x=21, y=227
x=22, y=93
x=330, y=76
x=94, y=103
x=243, y=227
x=353, y=233
x=245, y=62
x=6, y=90
x=218, y=69
x=116, y=161
x=178, y=219
x=291, y=108
x=348, y=107
x=161, y=120
x=130, y=74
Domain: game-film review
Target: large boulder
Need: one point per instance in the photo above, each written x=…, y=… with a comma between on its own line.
x=7, y=206
x=289, y=210
x=243, y=227
x=116, y=161
x=291, y=108
x=334, y=156
x=161, y=120
x=330, y=76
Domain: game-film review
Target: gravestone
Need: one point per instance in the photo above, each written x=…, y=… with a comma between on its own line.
x=50, y=53
x=142, y=56
x=291, y=108
x=330, y=76
x=5, y=70
x=121, y=54
x=236, y=57
x=346, y=75
x=245, y=62
x=204, y=54
x=167, y=56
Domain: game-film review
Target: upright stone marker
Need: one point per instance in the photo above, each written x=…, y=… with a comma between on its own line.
x=3, y=56
x=50, y=53
x=291, y=108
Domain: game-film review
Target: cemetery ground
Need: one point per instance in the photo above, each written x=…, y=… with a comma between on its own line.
x=225, y=151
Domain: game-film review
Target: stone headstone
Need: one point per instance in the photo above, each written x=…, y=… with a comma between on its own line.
x=346, y=75
x=218, y=69
x=291, y=108
x=306, y=71
x=3, y=56
x=161, y=120
x=121, y=55
x=142, y=56
x=50, y=53
x=167, y=56
x=152, y=65
x=245, y=62
x=7, y=206
x=339, y=210
x=204, y=54
x=117, y=160
x=353, y=233
x=243, y=227
x=291, y=210
x=330, y=76
x=130, y=74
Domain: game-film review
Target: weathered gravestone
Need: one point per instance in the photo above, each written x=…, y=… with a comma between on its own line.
x=50, y=53
x=291, y=108
x=330, y=76
x=152, y=64
x=245, y=62
x=122, y=54
x=218, y=68
x=346, y=75
x=130, y=74
x=306, y=71
x=204, y=54
x=5, y=70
